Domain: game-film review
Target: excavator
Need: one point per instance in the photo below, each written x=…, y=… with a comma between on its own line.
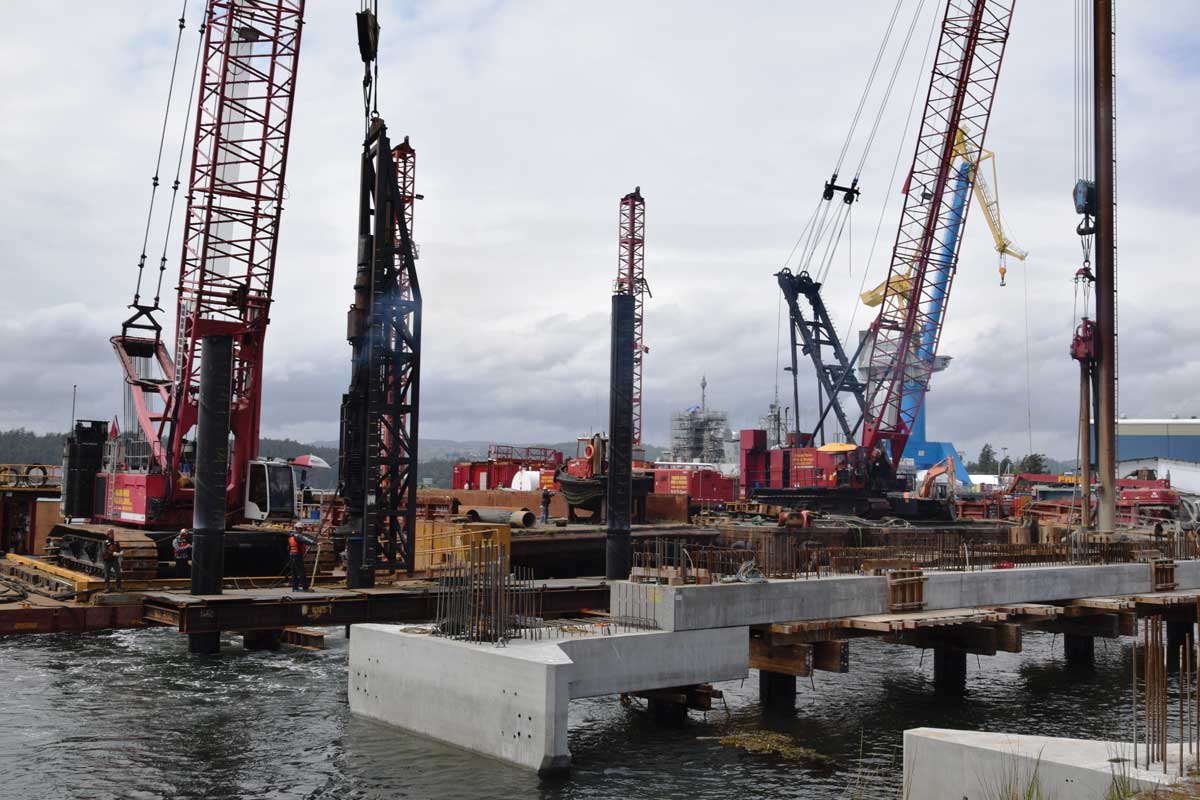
x=944, y=467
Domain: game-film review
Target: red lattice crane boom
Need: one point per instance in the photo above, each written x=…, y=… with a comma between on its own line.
x=235, y=191
x=962, y=86
x=631, y=279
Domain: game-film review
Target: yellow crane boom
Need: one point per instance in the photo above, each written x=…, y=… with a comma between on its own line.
x=989, y=200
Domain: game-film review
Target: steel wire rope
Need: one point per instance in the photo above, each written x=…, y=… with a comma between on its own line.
x=1028, y=379
x=862, y=101
x=834, y=226
x=370, y=81
x=162, y=137
x=836, y=229
x=803, y=231
x=814, y=237
x=891, y=179
x=814, y=244
x=887, y=93
x=162, y=262
x=832, y=245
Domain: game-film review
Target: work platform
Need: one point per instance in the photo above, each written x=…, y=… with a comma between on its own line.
x=719, y=631
x=240, y=610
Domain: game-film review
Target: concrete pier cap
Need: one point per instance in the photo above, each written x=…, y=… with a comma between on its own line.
x=511, y=702
x=695, y=606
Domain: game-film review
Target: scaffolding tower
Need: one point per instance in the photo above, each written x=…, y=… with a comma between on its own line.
x=699, y=433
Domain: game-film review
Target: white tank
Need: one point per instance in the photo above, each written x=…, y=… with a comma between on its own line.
x=527, y=480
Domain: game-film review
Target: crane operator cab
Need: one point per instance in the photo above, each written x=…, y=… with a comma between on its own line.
x=270, y=491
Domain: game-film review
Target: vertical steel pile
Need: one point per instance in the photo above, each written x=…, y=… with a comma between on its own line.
x=1105, y=262
x=212, y=471
x=620, y=440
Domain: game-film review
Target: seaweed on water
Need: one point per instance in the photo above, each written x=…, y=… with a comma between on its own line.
x=772, y=744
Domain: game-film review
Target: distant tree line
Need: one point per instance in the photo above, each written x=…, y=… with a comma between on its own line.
x=21, y=446
x=988, y=464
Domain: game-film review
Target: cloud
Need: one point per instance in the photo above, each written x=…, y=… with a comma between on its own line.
x=530, y=122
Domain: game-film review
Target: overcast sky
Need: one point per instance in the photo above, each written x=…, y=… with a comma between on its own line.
x=530, y=121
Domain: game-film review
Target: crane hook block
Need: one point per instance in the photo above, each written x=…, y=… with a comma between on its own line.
x=368, y=35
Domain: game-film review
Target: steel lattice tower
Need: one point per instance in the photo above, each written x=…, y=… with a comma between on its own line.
x=631, y=279
x=962, y=86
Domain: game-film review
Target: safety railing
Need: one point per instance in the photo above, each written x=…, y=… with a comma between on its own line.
x=784, y=555
x=131, y=455
x=30, y=476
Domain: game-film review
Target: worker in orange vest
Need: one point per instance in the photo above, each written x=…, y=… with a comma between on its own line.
x=298, y=544
x=111, y=557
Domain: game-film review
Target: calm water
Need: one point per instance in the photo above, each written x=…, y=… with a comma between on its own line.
x=131, y=715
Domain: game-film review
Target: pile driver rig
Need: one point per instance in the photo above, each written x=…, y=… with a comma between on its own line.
x=380, y=410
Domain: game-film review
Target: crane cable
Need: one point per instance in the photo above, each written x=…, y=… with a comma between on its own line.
x=888, y=92
x=912, y=104
x=137, y=292
x=828, y=234
x=862, y=101
x=370, y=63
x=162, y=261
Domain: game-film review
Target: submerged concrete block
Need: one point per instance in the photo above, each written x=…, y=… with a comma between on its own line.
x=511, y=702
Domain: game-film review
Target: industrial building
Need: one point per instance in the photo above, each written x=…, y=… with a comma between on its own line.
x=1159, y=438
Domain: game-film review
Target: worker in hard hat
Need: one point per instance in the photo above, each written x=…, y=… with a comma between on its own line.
x=546, y=495
x=879, y=469
x=298, y=544
x=182, y=546
x=111, y=557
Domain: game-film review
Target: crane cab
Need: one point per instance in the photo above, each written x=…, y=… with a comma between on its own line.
x=270, y=491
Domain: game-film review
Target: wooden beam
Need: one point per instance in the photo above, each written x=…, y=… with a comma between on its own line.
x=796, y=659
x=1008, y=637
x=1079, y=607
x=831, y=656
x=978, y=639
x=1105, y=626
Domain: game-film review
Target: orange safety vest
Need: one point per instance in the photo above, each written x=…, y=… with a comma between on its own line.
x=294, y=545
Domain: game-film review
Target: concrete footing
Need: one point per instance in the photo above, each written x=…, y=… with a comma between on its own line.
x=511, y=702
x=942, y=764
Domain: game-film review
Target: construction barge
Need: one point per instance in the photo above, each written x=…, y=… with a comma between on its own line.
x=44, y=595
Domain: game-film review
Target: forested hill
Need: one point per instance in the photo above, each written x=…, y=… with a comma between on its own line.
x=20, y=446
